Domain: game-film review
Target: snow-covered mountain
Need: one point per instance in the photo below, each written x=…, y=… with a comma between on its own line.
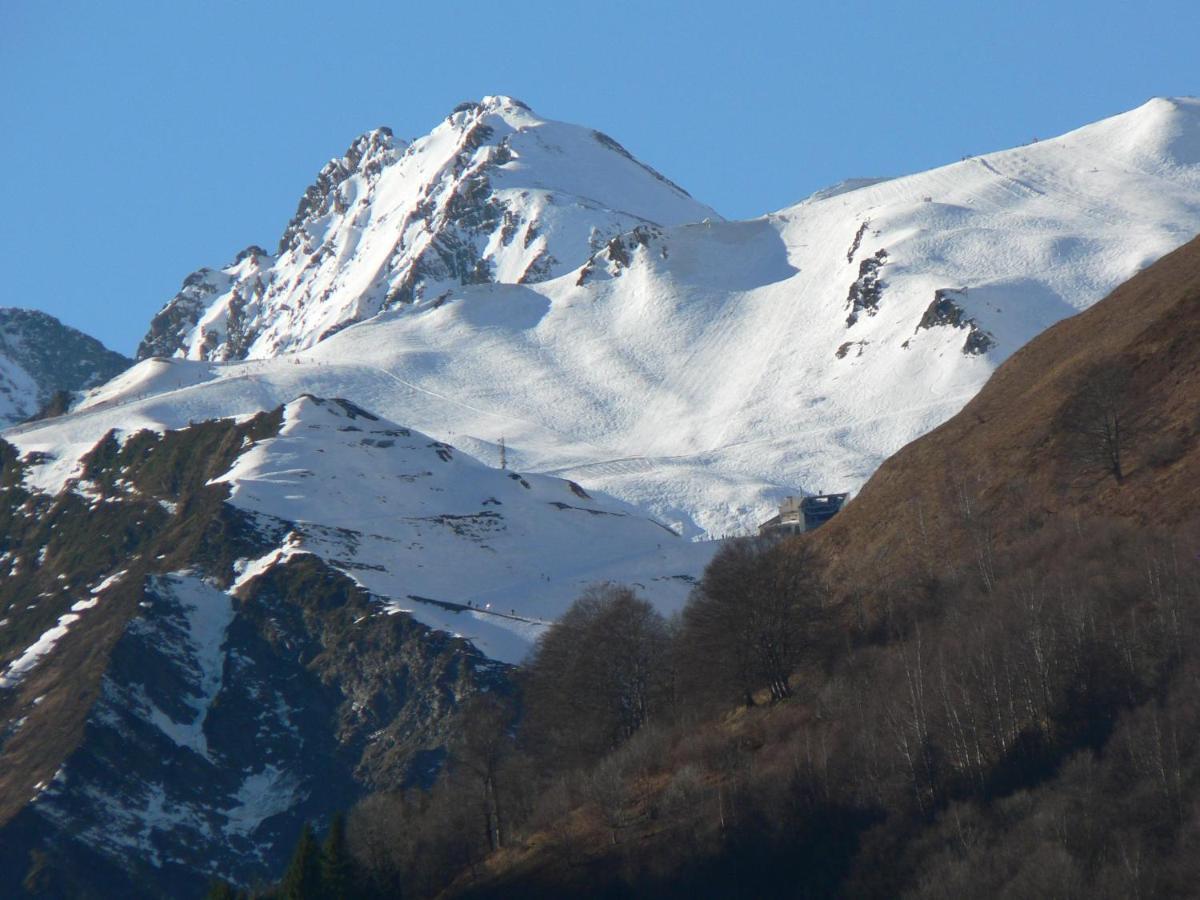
x=494, y=194
x=40, y=356
x=703, y=371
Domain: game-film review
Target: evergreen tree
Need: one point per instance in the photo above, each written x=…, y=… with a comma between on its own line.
x=302, y=880
x=337, y=867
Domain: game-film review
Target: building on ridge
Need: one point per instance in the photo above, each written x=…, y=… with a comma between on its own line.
x=800, y=514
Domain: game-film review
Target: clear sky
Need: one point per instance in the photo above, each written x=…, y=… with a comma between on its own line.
x=143, y=139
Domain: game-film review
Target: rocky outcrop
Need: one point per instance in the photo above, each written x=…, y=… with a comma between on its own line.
x=366, y=156
x=224, y=332
x=617, y=254
x=946, y=312
x=867, y=290
x=857, y=242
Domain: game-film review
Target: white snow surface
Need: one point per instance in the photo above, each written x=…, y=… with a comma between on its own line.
x=16, y=671
x=262, y=795
x=491, y=555
x=702, y=381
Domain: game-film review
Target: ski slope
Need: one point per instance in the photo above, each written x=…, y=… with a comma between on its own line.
x=701, y=372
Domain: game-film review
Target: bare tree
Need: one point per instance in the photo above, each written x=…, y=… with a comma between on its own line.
x=751, y=619
x=1100, y=418
x=600, y=674
x=480, y=748
x=607, y=788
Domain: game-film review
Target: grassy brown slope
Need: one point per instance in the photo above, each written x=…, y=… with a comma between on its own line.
x=1004, y=464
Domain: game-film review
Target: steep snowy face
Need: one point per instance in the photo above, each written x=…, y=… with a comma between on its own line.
x=39, y=356
x=494, y=194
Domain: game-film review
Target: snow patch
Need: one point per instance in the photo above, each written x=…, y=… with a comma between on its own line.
x=16, y=671
x=196, y=648
x=262, y=795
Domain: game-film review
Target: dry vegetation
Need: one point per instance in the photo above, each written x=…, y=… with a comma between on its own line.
x=1015, y=457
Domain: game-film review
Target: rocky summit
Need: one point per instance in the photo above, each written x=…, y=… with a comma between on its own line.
x=493, y=194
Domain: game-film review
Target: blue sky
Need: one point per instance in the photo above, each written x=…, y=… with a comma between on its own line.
x=141, y=140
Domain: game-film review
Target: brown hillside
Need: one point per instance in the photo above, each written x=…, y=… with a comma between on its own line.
x=1008, y=463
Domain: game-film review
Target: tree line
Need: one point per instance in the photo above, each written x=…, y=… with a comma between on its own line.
x=1023, y=722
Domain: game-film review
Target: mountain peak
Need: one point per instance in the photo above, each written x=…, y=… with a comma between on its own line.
x=494, y=194
x=500, y=101
x=1181, y=105
x=493, y=103
x=366, y=155
x=1162, y=133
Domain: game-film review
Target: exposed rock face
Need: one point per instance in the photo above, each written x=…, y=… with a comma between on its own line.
x=493, y=194
x=367, y=156
x=945, y=312
x=617, y=254
x=40, y=356
x=227, y=333
x=867, y=290
x=857, y=242
x=222, y=724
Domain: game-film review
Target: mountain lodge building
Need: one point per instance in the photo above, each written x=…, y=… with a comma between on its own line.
x=800, y=514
